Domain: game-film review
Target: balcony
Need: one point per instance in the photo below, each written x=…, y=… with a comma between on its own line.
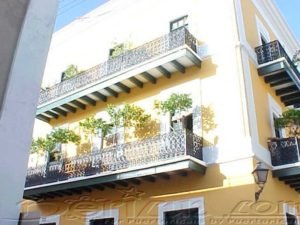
x=286, y=160
x=158, y=58
x=278, y=70
x=158, y=157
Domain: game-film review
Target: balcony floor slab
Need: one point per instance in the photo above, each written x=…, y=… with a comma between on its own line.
x=151, y=172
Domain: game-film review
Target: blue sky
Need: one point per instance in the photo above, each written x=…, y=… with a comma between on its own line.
x=70, y=10
x=290, y=10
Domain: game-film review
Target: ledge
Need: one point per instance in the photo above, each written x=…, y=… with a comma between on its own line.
x=150, y=173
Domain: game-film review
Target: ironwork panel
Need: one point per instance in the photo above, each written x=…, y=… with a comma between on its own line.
x=149, y=151
x=129, y=58
x=284, y=151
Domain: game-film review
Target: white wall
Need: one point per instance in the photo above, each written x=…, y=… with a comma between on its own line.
x=86, y=42
x=18, y=112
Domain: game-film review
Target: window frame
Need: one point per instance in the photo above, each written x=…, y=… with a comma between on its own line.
x=104, y=214
x=190, y=203
x=274, y=109
x=262, y=32
x=185, y=24
x=287, y=209
x=50, y=219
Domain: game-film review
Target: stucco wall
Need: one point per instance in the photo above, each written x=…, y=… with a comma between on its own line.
x=25, y=39
x=12, y=15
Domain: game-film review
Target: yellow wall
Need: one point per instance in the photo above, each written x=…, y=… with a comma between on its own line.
x=227, y=189
x=249, y=13
x=261, y=90
x=146, y=96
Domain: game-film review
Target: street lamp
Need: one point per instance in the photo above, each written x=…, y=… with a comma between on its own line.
x=260, y=174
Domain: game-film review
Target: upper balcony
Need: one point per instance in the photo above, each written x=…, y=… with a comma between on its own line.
x=161, y=57
x=286, y=160
x=159, y=157
x=278, y=70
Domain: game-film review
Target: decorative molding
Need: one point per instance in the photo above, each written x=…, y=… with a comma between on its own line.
x=180, y=205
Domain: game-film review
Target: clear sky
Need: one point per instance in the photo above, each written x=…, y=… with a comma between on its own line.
x=70, y=10
x=290, y=10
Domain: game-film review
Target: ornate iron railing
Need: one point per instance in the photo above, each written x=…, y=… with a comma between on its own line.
x=141, y=153
x=284, y=150
x=273, y=51
x=129, y=58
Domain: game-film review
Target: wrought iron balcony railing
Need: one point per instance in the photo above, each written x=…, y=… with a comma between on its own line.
x=126, y=60
x=150, y=151
x=273, y=51
x=284, y=151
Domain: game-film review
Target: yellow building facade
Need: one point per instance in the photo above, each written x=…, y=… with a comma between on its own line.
x=227, y=56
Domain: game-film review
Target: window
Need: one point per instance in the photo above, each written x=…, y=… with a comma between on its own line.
x=188, y=211
x=290, y=213
x=184, y=122
x=278, y=131
x=263, y=40
x=263, y=34
x=50, y=220
x=188, y=122
x=29, y=218
x=291, y=219
x=106, y=217
x=178, y=23
x=106, y=221
x=275, y=111
x=182, y=217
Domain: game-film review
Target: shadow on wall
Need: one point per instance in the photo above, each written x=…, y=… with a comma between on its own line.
x=150, y=129
x=208, y=125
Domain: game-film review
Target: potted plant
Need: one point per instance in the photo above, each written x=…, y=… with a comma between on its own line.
x=42, y=146
x=134, y=116
x=96, y=127
x=130, y=116
x=290, y=121
x=175, y=105
x=119, y=48
x=71, y=71
x=61, y=136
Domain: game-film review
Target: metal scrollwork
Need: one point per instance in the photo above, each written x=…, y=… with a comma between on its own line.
x=129, y=58
x=139, y=153
x=284, y=151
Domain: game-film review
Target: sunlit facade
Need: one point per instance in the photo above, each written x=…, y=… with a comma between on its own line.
x=232, y=62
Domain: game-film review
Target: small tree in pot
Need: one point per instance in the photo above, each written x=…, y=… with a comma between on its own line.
x=129, y=116
x=42, y=145
x=290, y=121
x=96, y=126
x=63, y=136
x=176, y=104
